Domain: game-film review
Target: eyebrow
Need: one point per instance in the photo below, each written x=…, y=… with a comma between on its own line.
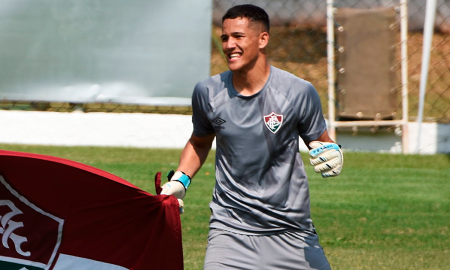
x=234, y=33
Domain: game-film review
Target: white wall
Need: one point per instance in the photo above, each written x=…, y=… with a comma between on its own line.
x=95, y=129
x=172, y=131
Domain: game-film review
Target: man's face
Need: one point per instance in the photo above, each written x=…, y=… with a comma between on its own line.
x=241, y=43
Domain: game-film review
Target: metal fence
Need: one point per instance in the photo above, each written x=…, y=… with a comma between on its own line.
x=298, y=44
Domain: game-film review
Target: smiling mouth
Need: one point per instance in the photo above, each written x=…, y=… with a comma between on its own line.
x=234, y=56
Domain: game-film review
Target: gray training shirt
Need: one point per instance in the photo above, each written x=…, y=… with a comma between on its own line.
x=261, y=184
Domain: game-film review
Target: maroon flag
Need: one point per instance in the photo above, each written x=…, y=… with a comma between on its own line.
x=60, y=214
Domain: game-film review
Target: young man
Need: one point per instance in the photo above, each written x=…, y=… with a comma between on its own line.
x=260, y=210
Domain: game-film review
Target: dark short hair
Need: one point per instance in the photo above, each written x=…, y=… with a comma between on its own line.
x=251, y=12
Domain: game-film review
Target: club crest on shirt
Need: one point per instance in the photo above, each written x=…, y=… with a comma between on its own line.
x=273, y=121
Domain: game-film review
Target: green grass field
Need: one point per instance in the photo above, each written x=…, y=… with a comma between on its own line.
x=384, y=212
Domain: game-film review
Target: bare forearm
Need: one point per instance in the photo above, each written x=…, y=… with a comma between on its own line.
x=194, y=154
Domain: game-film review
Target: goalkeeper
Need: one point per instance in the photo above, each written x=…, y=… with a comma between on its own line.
x=260, y=208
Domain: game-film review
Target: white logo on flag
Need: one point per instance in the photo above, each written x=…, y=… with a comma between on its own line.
x=8, y=226
x=19, y=218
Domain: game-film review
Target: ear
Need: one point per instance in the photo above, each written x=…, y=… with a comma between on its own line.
x=263, y=40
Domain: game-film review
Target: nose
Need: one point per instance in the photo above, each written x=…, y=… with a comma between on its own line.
x=229, y=44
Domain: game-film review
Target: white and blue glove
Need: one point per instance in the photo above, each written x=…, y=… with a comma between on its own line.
x=177, y=186
x=327, y=158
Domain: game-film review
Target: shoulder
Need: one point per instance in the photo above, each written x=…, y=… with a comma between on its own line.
x=216, y=82
x=289, y=84
x=208, y=90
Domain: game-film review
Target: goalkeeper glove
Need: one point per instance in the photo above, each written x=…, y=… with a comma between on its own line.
x=177, y=184
x=327, y=158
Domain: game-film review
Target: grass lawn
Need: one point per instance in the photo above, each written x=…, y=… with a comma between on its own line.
x=384, y=212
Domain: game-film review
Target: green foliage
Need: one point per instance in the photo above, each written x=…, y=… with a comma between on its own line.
x=384, y=212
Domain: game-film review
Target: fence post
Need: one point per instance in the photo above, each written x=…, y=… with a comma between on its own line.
x=404, y=72
x=427, y=38
x=331, y=70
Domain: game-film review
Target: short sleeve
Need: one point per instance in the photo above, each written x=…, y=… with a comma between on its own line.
x=311, y=123
x=202, y=125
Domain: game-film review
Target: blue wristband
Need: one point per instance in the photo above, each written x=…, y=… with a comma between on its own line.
x=319, y=150
x=182, y=178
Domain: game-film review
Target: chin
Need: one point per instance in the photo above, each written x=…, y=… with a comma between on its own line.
x=234, y=67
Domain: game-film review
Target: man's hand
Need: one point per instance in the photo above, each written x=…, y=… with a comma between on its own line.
x=176, y=186
x=327, y=158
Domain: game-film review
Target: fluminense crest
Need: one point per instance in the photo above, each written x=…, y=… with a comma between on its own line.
x=30, y=237
x=273, y=121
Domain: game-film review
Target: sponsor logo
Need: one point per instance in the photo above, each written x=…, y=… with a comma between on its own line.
x=273, y=121
x=30, y=237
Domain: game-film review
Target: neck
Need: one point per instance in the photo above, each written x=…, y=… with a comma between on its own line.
x=250, y=82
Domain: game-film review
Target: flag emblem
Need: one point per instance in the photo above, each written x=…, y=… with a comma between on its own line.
x=273, y=121
x=23, y=226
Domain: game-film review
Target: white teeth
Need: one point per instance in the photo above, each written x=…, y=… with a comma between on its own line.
x=234, y=55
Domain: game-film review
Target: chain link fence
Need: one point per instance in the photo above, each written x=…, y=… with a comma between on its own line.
x=298, y=44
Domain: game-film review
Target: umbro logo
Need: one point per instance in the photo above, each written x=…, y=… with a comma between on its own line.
x=218, y=121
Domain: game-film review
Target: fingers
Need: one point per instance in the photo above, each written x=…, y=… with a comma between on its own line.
x=331, y=173
x=329, y=155
x=327, y=158
x=329, y=168
x=329, y=165
x=181, y=204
